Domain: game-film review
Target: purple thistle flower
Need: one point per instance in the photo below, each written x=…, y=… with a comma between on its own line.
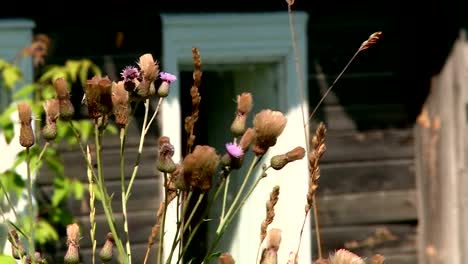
x=130, y=73
x=167, y=77
x=234, y=150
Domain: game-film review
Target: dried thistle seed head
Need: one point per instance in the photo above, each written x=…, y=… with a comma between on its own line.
x=343, y=256
x=166, y=151
x=107, y=249
x=73, y=234
x=26, y=138
x=66, y=108
x=149, y=69
x=247, y=138
x=244, y=103
x=178, y=178
x=200, y=166
x=121, y=104
x=226, y=258
x=52, y=110
x=61, y=89
x=268, y=127
x=144, y=90
x=24, y=114
x=274, y=238
x=99, y=96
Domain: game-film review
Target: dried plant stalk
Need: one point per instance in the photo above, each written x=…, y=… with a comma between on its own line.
x=196, y=98
x=270, y=212
x=155, y=230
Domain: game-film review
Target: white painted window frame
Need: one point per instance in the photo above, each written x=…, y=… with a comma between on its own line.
x=233, y=38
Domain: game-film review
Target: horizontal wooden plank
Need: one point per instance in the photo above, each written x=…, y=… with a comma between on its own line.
x=139, y=226
x=401, y=259
x=75, y=165
x=145, y=196
x=367, y=208
x=397, y=239
x=354, y=177
x=357, y=88
x=365, y=117
x=369, y=145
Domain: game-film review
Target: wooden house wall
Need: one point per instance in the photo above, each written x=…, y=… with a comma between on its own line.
x=367, y=196
x=367, y=189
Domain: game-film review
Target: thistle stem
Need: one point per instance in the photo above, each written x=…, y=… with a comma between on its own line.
x=46, y=145
x=179, y=232
x=140, y=150
x=163, y=222
x=239, y=193
x=92, y=210
x=105, y=199
x=122, y=186
x=231, y=212
x=195, y=229
x=7, y=197
x=32, y=217
x=226, y=188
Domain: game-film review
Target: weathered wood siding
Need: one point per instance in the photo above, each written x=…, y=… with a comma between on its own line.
x=367, y=196
x=143, y=202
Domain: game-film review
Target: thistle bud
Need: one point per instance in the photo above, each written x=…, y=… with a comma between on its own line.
x=17, y=249
x=26, y=132
x=106, y=252
x=238, y=126
x=269, y=256
x=167, y=79
x=72, y=256
x=279, y=161
x=66, y=108
x=49, y=131
x=166, y=151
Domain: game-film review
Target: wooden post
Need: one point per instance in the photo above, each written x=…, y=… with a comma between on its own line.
x=440, y=164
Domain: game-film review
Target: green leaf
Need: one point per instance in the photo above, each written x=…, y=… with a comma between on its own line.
x=77, y=189
x=12, y=182
x=112, y=129
x=4, y=259
x=11, y=75
x=8, y=132
x=55, y=164
x=85, y=128
x=97, y=192
x=72, y=66
x=84, y=71
x=60, y=216
x=61, y=190
x=49, y=73
x=26, y=91
x=45, y=232
x=96, y=70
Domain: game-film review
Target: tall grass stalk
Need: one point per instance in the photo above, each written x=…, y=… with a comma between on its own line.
x=92, y=209
x=32, y=217
x=105, y=199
